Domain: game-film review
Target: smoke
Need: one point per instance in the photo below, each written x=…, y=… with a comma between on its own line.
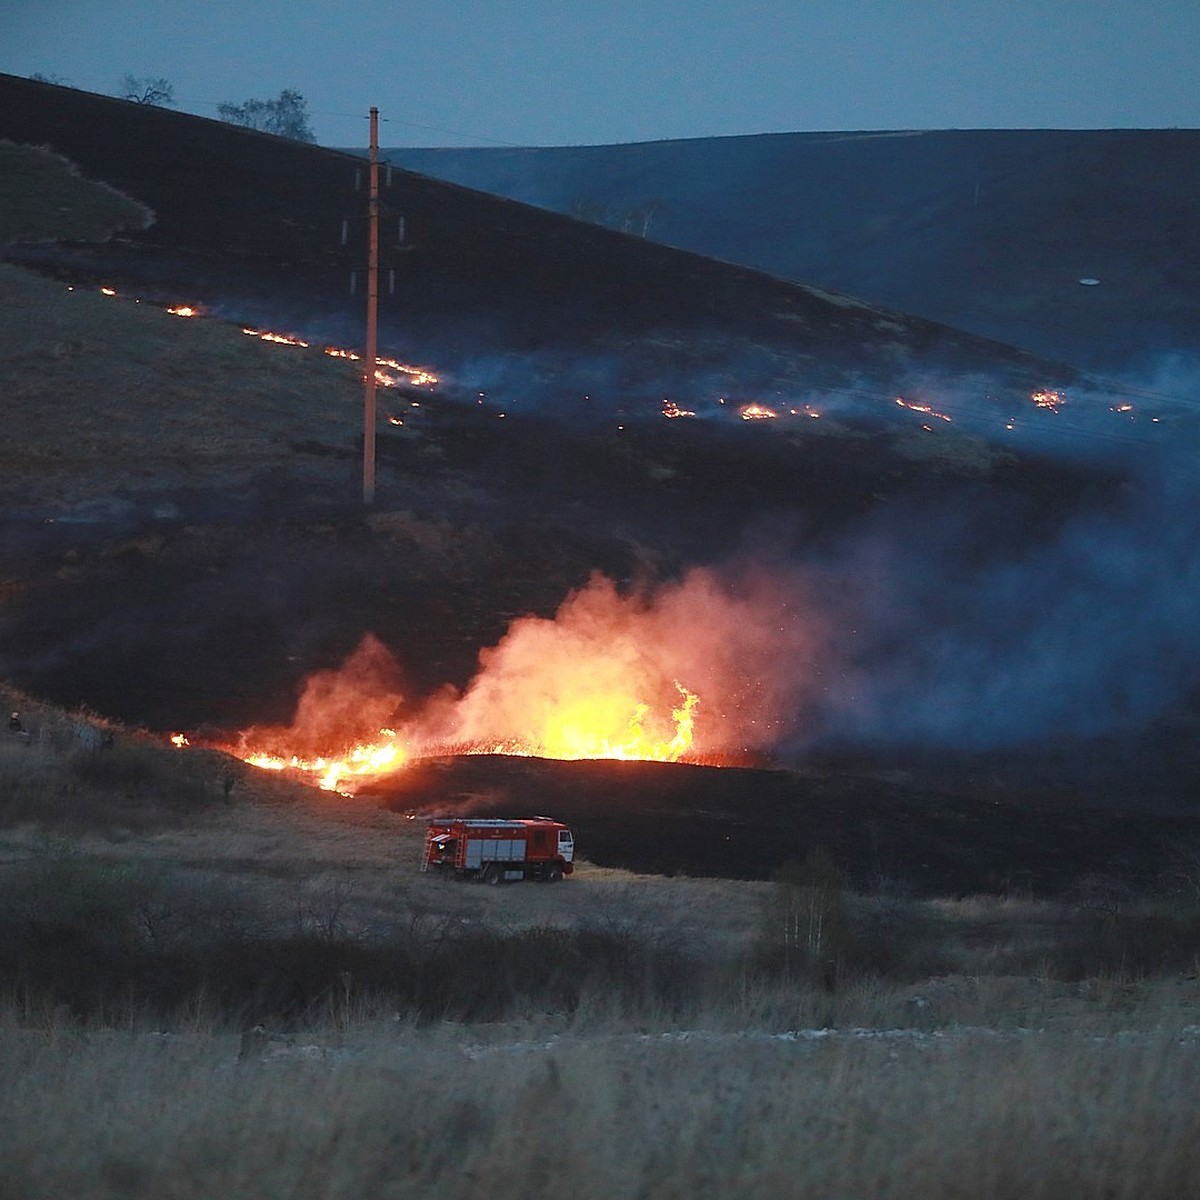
x=951, y=632
x=339, y=706
x=927, y=629
x=719, y=636
x=969, y=628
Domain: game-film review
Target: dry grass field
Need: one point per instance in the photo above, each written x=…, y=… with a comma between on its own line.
x=105, y=393
x=259, y=994
x=217, y=982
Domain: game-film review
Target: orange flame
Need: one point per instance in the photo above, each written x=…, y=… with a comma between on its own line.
x=607, y=725
x=688, y=672
x=757, y=412
x=922, y=408
x=185, y=310
x=416, y=376
x=1049, y=400
x=334, y=773
x=281, y=339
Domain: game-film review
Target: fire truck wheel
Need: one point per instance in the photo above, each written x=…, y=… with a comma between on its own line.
x=491, y=874
x=553, y=873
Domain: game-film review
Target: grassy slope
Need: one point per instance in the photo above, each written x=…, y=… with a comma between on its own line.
x=43, y=198
x=102, y=392
x=650, y=1033
x=294, y=907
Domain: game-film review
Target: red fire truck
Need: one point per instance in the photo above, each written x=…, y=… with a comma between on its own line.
x=495, y=851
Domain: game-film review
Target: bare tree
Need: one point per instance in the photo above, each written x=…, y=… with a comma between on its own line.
x=144, y=90
x=286, y=116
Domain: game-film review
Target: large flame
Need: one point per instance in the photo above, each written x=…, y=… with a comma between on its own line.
x=685, y=673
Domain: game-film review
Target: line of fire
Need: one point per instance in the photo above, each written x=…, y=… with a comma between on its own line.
x=586, y=702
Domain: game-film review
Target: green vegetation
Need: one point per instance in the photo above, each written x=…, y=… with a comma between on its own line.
x=43, y=198
x=285, y=116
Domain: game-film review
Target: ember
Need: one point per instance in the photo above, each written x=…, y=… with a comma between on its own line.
x=671, y=409
x=922, y=408
x=757, y=412
x=1049, y=400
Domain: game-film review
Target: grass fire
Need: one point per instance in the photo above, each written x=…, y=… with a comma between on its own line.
x=931, y=930
x=684, y=673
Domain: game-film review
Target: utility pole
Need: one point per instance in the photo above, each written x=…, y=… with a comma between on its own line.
x=372, y=318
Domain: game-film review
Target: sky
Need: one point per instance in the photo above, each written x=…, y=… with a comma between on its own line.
x=594, y=72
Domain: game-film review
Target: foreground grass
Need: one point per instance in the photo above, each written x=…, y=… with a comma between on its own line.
x=383, y=1108
x=257, y=994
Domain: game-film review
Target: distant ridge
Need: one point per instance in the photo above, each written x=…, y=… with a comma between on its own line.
x=987, y=230
x=255, y=222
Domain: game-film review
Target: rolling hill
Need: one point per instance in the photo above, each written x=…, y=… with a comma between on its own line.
x=895, y=584
x=987, y=230
x=500, y=295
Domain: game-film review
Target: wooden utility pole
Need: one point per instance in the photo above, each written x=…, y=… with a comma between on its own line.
x=372, y=318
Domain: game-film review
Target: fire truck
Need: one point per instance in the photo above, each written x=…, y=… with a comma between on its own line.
x=496, y=851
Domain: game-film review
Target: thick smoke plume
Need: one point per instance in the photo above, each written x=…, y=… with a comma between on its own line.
x=338, y=706
x=719, y=637
x=972, y=628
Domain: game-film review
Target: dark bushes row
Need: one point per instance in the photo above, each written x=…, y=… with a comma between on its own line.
x=472, y=976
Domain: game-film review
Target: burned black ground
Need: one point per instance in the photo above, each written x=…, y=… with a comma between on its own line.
x=201, y=599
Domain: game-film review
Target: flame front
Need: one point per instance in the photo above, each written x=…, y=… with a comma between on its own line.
x=332, y=773
x=607, y=726
x=591, y=725
x=611, y=676
x=924, y=409
x=699, y=669
x=278, y=339
x=756, y=412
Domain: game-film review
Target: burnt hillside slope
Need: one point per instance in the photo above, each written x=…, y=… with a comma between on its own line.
x=988, y=230
x=256, y=222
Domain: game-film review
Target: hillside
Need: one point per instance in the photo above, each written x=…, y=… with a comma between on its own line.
x=986, y=230
x=506, y=298
x=903, y=604
x=902, y=894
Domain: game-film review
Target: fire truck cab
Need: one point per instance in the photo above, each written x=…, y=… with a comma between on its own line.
x=495, y=851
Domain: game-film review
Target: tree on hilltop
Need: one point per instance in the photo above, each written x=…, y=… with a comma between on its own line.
x=144, y=90
x=286, y=116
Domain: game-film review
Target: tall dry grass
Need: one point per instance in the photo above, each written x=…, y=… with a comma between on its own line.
x=385, y=1108
x=615, y=1035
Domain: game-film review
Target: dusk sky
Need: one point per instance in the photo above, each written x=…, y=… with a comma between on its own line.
x=539, y=72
